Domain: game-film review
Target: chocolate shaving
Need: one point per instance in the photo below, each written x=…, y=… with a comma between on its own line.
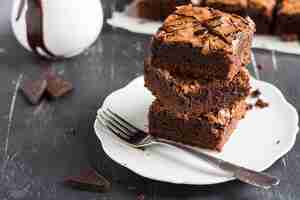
x=256, y=93
x=34, y=90
x=261, y=104
x=88, y=180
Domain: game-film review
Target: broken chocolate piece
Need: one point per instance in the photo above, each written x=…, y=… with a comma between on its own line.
x=256, y=93
x=58, y=87
x=88, y=180
x=261, y=104
x=33, y=90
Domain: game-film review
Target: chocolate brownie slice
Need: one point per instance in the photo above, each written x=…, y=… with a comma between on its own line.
x=158, y=9
x=209, y=130
x=195, y=95
x=261, y=12
x=232, y=6
x=202, y=42
x=288, y=18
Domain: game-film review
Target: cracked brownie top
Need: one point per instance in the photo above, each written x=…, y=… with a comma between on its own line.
x=205, y=28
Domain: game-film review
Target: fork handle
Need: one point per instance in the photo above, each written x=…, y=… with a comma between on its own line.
x=245, y=175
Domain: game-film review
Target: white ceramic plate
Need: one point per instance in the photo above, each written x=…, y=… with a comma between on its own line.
x=128, y=20
x=261, y=138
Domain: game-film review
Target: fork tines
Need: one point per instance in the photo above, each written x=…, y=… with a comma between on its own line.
x=120, y=127
x=113, y=125
x=127, y=124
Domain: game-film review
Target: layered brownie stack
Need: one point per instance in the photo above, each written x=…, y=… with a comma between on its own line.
x=196, y=71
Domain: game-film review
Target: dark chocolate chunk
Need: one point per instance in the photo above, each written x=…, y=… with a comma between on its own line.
x=58, y=87
x=33, y=90
x=88, y=180
x=256, y=93
x=261, y=104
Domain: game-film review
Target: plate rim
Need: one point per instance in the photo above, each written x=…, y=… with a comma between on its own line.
x=215, y=181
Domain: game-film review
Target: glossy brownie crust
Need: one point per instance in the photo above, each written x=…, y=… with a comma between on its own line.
x=210, y=130
x=194, y=95
x=201, y=42
x=288, y=17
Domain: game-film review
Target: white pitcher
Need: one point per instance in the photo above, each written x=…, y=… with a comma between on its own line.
x=57, y=28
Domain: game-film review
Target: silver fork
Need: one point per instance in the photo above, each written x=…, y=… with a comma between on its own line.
x=140, y=139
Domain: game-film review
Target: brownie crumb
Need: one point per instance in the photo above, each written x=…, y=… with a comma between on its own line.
x=261, y=104
x=256, y=93
x=260, y=67
x=249, y=106
x=88, y=180
x=289, y=37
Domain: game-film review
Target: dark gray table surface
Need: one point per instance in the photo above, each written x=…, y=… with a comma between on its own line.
x=41, y=151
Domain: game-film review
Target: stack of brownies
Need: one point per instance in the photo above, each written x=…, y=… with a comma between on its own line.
x=196, y=69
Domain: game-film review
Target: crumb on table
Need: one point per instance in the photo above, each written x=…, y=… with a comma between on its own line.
x=249, y=106
x=256, y=93
x=261, y=104
x=260, y=67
